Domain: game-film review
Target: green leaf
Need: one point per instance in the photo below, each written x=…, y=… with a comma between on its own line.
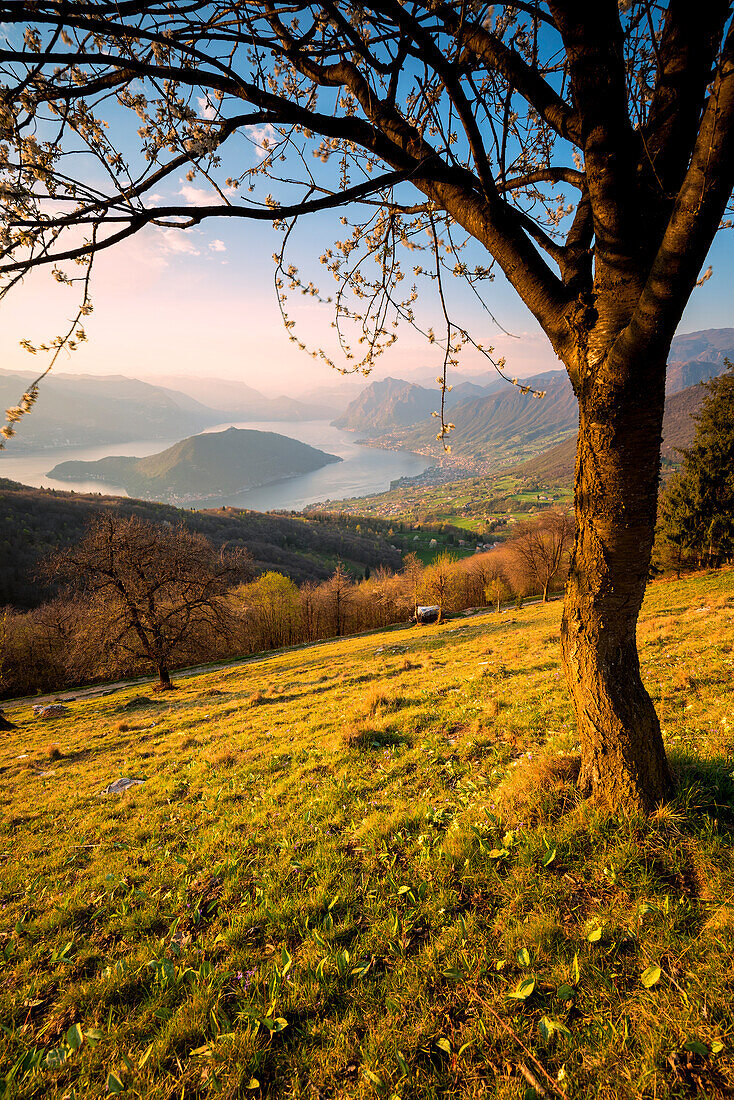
x=523, y=957
x=650, y=976
x=286, y=961
x=253, y=1083
x=565, y=992
x=94, y=1034
x=576, y=974
x=274, y=1024
x=546, y=1029
x=696, y=1047
x=523, y=990
x=57, y=1057
x=444, y=1045
x=74, y=1037
x=146, y=1056
x=373, y=1077
x=498, y=853
x=453, y=974
x=717, y=1046
x=595, y=935
x=114, y=1084
x=548, y=858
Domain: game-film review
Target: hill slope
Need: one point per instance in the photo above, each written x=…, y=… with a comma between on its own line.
x=209, y=465
x=38, y=522
x=493, y=422
x=557, y=464
x=343, y=862
x=697, y=356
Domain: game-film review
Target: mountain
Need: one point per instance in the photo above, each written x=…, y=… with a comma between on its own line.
x=389, y=403
x=557, y=464
x=79, y=410
x=697, y=356
x=236, y=400
x=394, y=403
x=507, y=418
x=203, y=466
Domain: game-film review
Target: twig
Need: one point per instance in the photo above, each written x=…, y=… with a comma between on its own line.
x=531, y=1079
x=554, y=1085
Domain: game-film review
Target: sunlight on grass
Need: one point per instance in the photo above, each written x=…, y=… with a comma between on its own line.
x=360, y=869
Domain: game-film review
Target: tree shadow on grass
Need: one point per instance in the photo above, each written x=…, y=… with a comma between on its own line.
x=705, y=786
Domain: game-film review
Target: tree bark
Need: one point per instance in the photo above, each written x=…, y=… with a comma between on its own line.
x=623, y=762
x=164, y=676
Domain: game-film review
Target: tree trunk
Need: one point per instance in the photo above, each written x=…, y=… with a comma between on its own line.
x=164, y=676
x=545, y=593
x=623, y=762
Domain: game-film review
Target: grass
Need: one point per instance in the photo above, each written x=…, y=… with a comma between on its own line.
x=360, y=869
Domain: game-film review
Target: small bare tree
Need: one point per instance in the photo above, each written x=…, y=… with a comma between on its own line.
x=151, y=587
x=538, y=550
x=439, y=580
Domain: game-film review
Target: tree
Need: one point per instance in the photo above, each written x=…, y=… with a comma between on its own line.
x=697, y=509
x=439, y=580
x=414, y=573
x=151, y=587
x=272, y=611
x=336, y=594
x=538, y=549
x=587, y=153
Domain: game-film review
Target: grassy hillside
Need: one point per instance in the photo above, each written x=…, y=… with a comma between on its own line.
x=209, y=465
x=359, y=870
x=38, y=522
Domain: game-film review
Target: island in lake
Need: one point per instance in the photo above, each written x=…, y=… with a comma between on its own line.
x=203, y=467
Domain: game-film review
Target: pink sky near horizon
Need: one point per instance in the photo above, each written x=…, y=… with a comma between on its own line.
x=202, y=303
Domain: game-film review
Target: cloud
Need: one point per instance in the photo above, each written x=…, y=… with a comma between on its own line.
x=202, y=196
x=206, y=107
x=260, y=135
x=178, y=241
x=217, y=246
x=197, y=196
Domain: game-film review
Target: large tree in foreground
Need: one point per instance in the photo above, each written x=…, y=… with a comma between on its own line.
x=585, y=151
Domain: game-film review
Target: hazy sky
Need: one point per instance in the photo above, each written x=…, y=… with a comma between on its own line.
x=202, y=302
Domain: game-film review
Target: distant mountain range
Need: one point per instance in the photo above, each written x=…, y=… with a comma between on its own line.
x=76, y=410
x=497, y=417
x=83, y=410
x=238, y=400
x=203, y=467
x=394, y=403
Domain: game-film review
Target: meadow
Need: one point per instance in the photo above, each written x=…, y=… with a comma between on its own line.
x=360, y=869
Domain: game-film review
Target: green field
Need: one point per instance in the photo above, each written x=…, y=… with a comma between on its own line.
x=471, y=503
x=360, y=869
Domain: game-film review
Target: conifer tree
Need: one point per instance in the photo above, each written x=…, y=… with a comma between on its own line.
x=698, y=508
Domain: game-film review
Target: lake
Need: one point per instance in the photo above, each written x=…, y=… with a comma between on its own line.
x=364, y=470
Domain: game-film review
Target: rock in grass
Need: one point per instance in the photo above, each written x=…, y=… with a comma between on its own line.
x=53, y=710
x=119, y=786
